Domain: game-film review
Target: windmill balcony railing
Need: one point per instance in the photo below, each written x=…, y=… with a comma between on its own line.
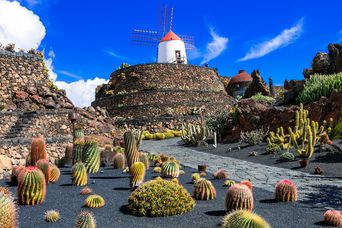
x=177, y=60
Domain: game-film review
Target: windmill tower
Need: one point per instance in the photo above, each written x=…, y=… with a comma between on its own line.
x=171, y=48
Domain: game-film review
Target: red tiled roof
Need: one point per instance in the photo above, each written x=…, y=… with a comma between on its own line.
x=242, y=76
x=170, y=36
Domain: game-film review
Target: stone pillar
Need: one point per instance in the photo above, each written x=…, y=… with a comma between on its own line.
x=270, y=82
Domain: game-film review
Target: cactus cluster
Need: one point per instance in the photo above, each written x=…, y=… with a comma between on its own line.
x=94, y=201
x=204, y=190
x=55, y=173
x=170, y=169
x=31, y=186
x=286, y=191
x=137, y=172
x=8, y=212
x=52, y=216
x=38, y=150
x=79, y=174
x=91, y=156
x=239, y=196
x=244, y=219
x=160, y=197
x=195, y=134
x=131, y=148
x=119, y=161
x=85, y=220
x=333, y=218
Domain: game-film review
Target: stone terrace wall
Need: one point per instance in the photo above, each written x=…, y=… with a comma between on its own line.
x=157, y=90
x=25, y=84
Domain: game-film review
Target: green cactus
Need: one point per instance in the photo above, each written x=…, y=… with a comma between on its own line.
x=144, y=159
x=228, y=183
x=55, y=173
x=137, y=172
x=78, y=135
x=91, y=156
x=204, y=190
x=85, y=220
x=244, y=219
x=44, y=166
x=8, y=212
x=38, y=150
x=31, y=186
x=77, y=152
x=286, y=157
x=195, y=134
x=52, y=216
x=286, y=191
x=239, y=196
x=131, y=150
x=79, y=174
x=94, y=201
x=195, y=177
x=170, y=169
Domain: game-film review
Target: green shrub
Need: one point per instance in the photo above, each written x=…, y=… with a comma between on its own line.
x=318, y=86
x=160, y=197
x=253, y=137
x=261, y=98
x=338, y=130
x=287, y=157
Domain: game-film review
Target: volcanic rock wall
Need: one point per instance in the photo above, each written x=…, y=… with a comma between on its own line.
x=154, y=91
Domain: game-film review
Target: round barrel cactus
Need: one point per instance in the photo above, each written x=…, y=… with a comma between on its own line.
x=15, y=173
x=91, y=157
x=8, y=212
x=79, y=174
x=286, y=191
x=119, y=161
x=94, y=201
x=31, y=186
x=137, y=174
x=77, y=152
x=52, y=216
x=333, y=218
x=78, y=134
x=144, y=159
x=55, y=173
x=85, y=220
x=170, y=169
x=204, y=190
x=131, y=150
x=245, y=219
x=239, y=196
x=44, y=166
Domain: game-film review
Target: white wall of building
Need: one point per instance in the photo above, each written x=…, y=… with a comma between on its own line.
x=167, y=51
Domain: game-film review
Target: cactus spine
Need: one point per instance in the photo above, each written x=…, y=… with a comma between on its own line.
x=170, y=169
x=137, y=172
x=204, y=190
x=119, y=161
x=144, y=159
x=55, y=173
x=52, y=216
x=131, y=150
x=44, y=166
x=79, y=174
x=91, y=157
x=85, y=220
x=286, y=191
x=8, y=212
x=239, y=196
x=77, y=152
x=38, y=150
x=245, y=219
x=31, y=186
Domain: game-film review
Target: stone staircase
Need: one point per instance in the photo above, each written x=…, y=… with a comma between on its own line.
x=24, y=122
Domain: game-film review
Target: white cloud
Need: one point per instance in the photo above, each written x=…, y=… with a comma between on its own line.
x=115, y=55
x=48, y=64
x=71, y=75
x=285, y=38
x=215, y=47
x=81, y=92
x=20, y=26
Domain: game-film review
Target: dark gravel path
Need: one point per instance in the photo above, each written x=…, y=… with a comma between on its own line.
x=113, y=186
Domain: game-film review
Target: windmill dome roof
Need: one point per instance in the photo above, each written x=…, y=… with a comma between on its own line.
x=170, y=36
x=242, y=76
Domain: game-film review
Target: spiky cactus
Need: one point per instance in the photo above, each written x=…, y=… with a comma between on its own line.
x=248, y=183
x=38, y=150
x=55, y=173
x=204, y=190
x=91, y=156
x=131, y=150
x=119, y=161
x=44, y=166
x=31, y=186
x=8, y=212
x=137, y=172
x=195, y=177
x=86, y=191
x=78, y=134
x=5, y=191
x=228, y=183
x=245, y=219
x=286, y=191
x=79, y=174
x=144, y=159
x=15, y=173
x=94, y=201
x=85, y=220
x=77, y=152
x=157, y=170
x=333, y=218
x=52, y=216
x=170, y=169
x=221, y=174
x=239, y=196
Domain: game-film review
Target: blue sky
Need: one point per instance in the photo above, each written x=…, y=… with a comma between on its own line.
x=92, y=38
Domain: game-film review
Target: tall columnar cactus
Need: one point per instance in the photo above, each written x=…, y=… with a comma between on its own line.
x=170, y=169
x=77, y=152
x=44, y=166
x=144, y=159
x=204, y=190
x=195, y=134
x=31, y=186
x=91, y=156
x=8, y=212
x=55, y=173
x=79, y=174
x=85, y=220
x=119, y=161
x=131, y=150
x=137, y=172
x=333, y=218
x=38, y=150
x=286, y=191
x=245, y=219
x=138, y=135
x=239, y=196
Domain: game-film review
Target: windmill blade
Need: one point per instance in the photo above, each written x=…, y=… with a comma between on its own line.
x=189, y=41
x=144, y=37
